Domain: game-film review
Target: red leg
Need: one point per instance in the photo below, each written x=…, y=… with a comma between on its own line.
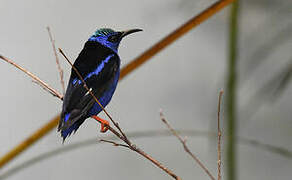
x=104, y=123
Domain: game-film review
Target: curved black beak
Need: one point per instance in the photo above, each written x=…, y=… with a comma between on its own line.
x=125, y=33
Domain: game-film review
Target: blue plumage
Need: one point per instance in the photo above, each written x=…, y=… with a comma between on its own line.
x=99, y=65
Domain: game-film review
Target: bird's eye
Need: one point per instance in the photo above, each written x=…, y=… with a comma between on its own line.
x=113, y=38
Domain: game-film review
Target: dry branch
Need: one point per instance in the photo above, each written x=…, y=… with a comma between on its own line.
x=114, y=143
x=219, y=134
x=183, y=142
x=61, y=72
x=35, y=78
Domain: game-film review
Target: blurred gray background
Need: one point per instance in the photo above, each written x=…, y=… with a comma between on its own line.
x=184, y=80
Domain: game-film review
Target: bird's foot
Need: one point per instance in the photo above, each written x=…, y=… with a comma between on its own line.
x=104, y=123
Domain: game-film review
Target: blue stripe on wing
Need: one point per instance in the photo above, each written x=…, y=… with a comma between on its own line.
x=96, y=71
x=66, y=117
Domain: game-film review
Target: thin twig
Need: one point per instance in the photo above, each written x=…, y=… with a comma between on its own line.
x=61, y=72
x=43, y=87
x=34, y=77
x=122, y=136
x=114, y=143
x=219, y=135
x=133, y=147
x=183, y=141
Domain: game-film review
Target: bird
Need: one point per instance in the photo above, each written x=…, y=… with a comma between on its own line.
x=98, y=63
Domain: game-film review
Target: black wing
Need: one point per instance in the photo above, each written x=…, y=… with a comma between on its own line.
x=98, y=67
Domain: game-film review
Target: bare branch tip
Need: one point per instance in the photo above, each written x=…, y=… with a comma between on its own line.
x=162, y=116
x=185, y=139
x=221, y=91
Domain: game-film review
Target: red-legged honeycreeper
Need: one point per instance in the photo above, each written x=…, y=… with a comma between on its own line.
x=99, y=65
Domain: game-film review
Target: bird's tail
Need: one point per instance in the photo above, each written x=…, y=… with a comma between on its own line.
x=65, y=129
